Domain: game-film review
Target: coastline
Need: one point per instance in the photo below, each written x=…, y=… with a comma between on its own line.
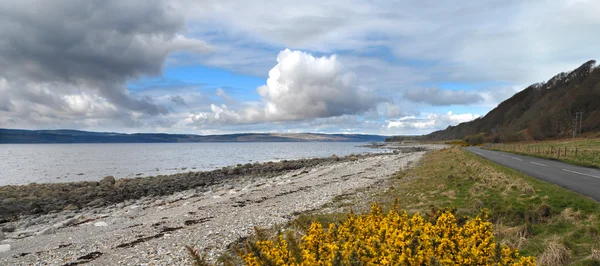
x=154, y=227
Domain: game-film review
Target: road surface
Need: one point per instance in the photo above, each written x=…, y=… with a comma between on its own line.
x=580, y=179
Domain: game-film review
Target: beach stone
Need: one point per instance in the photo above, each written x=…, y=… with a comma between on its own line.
x=25, y=224
x=47, y=231
x=9, y=201
x=134, y=210
x=66, y=222
x=119, y=183
x=101, y=224
x=9, y=228
x=108, y=179
x=5, y=248
x=2, y=236
x=71, y=207
x=117, y=220
x=96, y=202
x=25, y=233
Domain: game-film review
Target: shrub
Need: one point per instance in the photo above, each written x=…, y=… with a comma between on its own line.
x=392, y=239
x=475, y=139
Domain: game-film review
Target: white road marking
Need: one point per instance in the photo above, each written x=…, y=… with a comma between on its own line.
x=580, y=173
x=539, y=164
x=517, y=158
x=503, y=155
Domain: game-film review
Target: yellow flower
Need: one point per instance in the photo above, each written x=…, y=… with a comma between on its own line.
x=392, y=239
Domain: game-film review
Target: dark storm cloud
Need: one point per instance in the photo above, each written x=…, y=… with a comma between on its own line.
x=94, y=46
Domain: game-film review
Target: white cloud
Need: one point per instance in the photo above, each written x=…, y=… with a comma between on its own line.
x=301, y=86
x=431, y=122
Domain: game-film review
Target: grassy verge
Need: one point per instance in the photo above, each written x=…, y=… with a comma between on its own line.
x=584, y=152
x=540, y=219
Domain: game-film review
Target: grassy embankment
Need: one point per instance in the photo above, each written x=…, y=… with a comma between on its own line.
x=554, y=224
x=584, y=152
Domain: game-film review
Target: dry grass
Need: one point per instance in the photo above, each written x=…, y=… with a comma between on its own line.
x=582, y=151
x=556, y=254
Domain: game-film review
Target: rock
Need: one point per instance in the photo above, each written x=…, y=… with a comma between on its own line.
x=9, y=201
x=71, y=221
x=101, y=224
x=96, y=202
x=2, y=236
x=117, y=220
x=108, y=179
x=5, y=248
x=119, y=183
x=64, y=223
x=25, y=233
x=71, y=207
x=134, y=210
x=9, y=228
x=47, y=231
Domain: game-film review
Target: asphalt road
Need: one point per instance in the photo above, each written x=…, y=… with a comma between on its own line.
x=580, y=179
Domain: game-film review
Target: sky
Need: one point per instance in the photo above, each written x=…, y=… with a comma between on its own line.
x=219, y=66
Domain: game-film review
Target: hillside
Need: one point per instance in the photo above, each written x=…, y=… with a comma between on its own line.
x=540, y=111
x=76, y=136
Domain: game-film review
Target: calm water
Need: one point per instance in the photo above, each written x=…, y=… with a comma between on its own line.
x=50, y=163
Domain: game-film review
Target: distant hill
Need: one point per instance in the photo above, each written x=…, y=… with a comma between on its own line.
x=540, y=111
x=76, y=136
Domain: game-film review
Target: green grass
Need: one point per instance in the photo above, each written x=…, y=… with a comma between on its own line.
x=527, y=213
x=584, y=152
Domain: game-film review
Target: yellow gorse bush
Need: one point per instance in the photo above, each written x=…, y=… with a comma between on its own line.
x=392, y=239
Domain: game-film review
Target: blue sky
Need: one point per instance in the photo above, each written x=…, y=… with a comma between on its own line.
x=216, y=67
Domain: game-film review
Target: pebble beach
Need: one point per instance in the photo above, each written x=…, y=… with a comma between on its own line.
x=153, y=227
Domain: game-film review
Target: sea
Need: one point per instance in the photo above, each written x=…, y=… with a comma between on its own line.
x=53, y=163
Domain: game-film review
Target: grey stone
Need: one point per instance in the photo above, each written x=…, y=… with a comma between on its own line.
x=9, y=228
x=25, y=233
x=66, y=222
x=108, y=179
x=71, y=207
x=9, y=201
x=101, y=224
x=96, y=202
x=47, y=231
x=5, y=248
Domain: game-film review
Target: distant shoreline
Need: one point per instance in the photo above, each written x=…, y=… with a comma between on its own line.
x=18, y=136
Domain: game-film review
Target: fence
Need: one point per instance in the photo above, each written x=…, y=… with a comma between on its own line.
x=585, y=155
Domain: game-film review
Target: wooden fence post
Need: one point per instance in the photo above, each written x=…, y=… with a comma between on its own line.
x=576, y=154
x=558, y=153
